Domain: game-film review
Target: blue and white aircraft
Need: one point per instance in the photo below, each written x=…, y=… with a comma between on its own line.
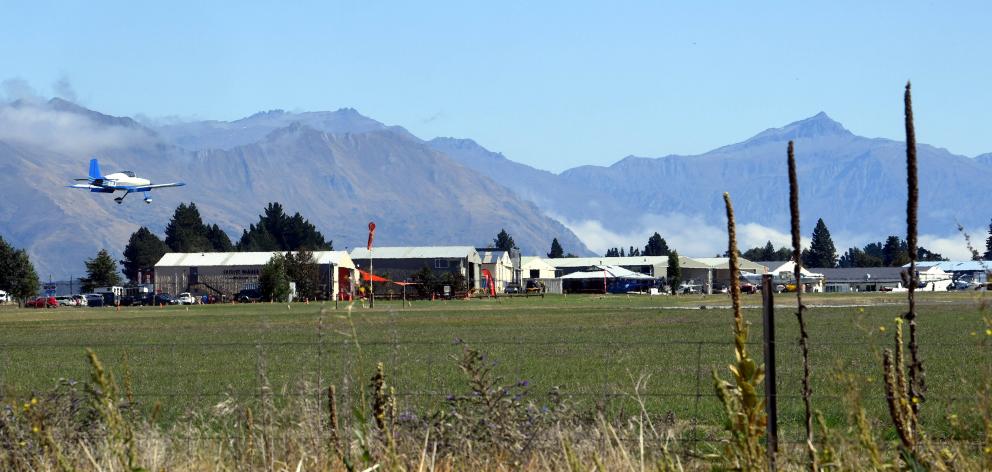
x=123, y=181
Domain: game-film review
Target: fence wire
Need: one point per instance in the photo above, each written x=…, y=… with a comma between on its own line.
x=666, y=379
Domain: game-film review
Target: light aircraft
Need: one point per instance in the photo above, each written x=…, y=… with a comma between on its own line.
x=124, y=181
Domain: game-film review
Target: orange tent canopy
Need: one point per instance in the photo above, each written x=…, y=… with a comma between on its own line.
x=375, y=278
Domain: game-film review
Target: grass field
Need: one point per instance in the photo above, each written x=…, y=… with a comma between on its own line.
x=594, y=348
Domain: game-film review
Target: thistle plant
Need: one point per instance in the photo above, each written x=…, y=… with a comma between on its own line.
x=746, y=418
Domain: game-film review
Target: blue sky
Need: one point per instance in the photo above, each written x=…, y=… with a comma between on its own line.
x=550, y=84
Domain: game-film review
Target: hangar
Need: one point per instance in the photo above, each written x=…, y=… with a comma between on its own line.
x=227, y=273
x=399, y=263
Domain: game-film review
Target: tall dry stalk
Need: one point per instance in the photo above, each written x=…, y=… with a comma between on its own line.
x=800, y=308
x=746, y=419
x=917, y=386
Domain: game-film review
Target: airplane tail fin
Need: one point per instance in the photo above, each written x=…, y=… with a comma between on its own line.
x=95, y=170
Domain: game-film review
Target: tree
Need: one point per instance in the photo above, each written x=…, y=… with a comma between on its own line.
x=988, y=245
x=656, y=246
x=427, y=283
x=17, y=274
x=219, y=240
x=302, y=269
x=674, y=272
x=821, y=251
x=504, y=242
x=272, y=279
x=455, y=280
x=556, y=250
x=923, y=254
x=143, y=250
x=275, y=231
x=855, y=257
x=895, y=252
x=101, y=271
x=768, y=253
x=186, y=231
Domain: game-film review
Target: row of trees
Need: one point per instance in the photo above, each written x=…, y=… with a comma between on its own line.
x=894, y=252
x=186, y=232
x=656, y=246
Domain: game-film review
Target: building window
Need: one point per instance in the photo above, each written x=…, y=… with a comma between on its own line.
x=442, y=263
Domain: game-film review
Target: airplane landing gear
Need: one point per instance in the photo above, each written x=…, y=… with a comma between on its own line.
x=119, y=200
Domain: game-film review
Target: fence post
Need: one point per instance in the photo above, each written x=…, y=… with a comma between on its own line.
x=771, y=406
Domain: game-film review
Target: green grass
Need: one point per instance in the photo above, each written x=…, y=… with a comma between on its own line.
x=593, y=347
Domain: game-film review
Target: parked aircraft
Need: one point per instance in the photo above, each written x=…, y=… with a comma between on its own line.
x=123, y=181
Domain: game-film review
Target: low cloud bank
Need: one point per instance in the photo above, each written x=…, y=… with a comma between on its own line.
x=693, y=236
x=63, y=132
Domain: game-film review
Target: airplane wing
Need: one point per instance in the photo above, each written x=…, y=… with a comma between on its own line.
x=145, y=188
x=83, y=186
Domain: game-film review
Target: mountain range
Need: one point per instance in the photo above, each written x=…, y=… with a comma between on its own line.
x=341, y=169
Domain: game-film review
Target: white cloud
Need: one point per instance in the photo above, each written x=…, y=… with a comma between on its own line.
x=63, y=132
x=690, y=235
x=693, y=236
x=954, y=246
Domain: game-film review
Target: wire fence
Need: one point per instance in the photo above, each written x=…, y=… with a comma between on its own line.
x=668, y=380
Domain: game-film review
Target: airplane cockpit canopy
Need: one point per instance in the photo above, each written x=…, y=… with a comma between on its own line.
x=129, y=173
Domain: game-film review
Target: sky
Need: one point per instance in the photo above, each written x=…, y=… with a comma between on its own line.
x=551, y=84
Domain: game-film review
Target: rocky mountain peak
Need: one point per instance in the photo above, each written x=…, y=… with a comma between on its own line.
x=819, y=125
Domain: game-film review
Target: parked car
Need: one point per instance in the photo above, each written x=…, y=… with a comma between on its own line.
x=135, y=300
x=163, y=299
x=66, y=300
x=185, y=298
x=79, y=299
x=42, y=302
x=4, y=297
x=249, y=295
x=512, y=287
x=94, y=300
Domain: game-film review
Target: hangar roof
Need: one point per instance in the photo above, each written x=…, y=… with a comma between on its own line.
x=417, y=252
x=684, y=262
x=206, y=259
x=724, y=263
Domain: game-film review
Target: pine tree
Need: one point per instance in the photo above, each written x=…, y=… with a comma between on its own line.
x=988, y=245
x=895, y=252
x=144, y=249
x=821, y=249
x=656, y=246
x=219, y=240
x=17, y=274
x=674, y=272
x=557, y=251
x=275, y=231
x=272, y=279
x=504, y=242
x=101, y=271
x=186, y=231
x=621, y=252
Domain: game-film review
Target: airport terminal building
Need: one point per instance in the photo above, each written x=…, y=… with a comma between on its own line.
x=227, y=273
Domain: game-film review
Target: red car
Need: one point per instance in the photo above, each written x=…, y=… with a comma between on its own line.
x=42, y=302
